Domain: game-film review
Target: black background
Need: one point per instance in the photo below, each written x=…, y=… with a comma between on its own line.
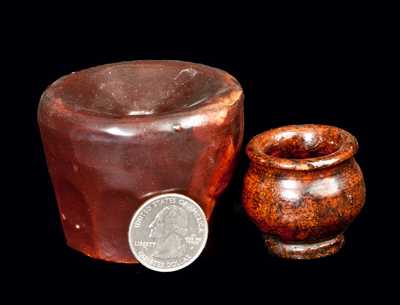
x=294, y=69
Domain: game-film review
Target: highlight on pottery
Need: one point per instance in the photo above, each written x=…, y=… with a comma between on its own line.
x=303, y=188
x=118, y=134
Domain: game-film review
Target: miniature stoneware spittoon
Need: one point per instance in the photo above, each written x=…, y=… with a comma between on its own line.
x=303, y=189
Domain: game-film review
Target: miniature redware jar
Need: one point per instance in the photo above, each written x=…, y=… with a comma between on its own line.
x=118, y=134
x=303, y=189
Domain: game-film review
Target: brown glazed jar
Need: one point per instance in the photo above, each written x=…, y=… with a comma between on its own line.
x=303, y=189
x=116, y=135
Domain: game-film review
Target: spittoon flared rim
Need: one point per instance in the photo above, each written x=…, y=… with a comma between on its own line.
x=346, y=148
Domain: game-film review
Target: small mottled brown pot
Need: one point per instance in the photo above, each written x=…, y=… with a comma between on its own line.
x=303, y=189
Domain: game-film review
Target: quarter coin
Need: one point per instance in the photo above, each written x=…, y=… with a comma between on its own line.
x=168, y=232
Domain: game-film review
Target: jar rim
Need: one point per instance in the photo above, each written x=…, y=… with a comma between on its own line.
x=346, y=147
x=228, y=91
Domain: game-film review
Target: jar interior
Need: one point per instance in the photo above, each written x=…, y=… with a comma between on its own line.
x=302, y=144
x=140, y=88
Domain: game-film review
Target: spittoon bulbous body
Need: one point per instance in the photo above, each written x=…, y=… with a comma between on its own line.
x=303, y=189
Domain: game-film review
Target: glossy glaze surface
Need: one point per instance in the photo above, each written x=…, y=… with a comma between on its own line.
x=117, y=134
x=303, y=188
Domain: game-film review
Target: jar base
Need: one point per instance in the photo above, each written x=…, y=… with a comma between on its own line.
x=98, y=256
x=304, y=251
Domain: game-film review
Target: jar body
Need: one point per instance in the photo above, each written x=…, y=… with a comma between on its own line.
x=103, y=167
x=303, y=213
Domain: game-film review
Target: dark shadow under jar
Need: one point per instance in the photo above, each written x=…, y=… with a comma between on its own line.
x=303, y=188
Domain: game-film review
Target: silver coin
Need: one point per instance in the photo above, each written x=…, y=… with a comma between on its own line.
x=168, y=232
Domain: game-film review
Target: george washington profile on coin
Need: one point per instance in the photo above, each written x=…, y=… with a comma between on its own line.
x=169, y=228
x=168, y=232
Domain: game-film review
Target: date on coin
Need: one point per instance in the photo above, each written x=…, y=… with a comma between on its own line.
x=168, y=232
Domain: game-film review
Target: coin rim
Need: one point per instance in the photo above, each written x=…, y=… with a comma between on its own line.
x=201, y=248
